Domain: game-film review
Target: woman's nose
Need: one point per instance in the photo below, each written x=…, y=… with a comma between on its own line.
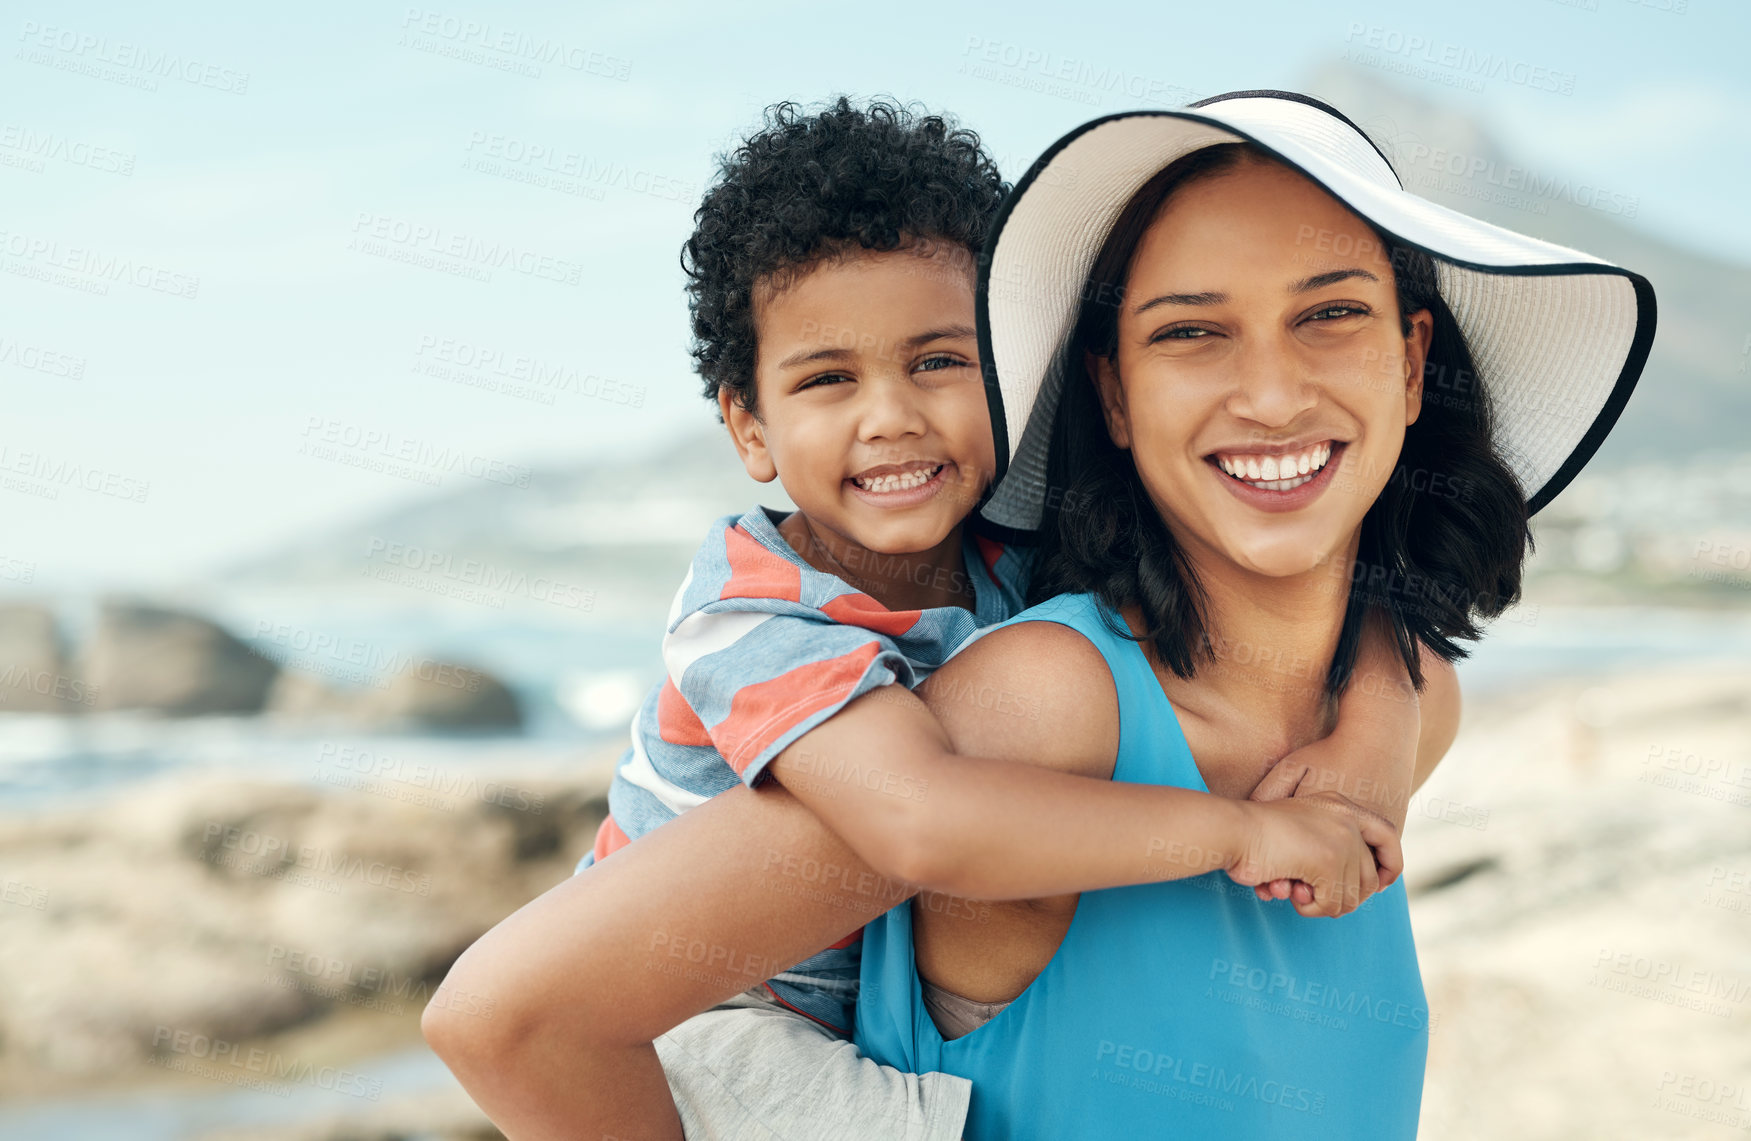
x=1273, y=385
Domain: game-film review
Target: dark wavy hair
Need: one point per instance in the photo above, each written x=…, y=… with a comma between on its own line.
x=1431, y=562
x=814, y=186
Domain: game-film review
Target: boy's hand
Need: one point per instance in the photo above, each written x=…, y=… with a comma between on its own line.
x=1324, y=765
x=1323, y=850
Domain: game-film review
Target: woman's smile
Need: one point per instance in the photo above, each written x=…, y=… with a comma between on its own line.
x=1278, y=480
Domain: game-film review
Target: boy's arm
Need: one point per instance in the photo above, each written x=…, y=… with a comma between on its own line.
x=1438, y=708
x=1388, y=738
x=881, y=773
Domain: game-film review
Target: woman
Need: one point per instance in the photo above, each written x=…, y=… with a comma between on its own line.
x=1271, y=428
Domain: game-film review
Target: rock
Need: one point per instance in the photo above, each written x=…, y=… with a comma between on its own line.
x=439, y=695
x=428, y=695
x=297, y=696
x=232, y=910
x=33, y=666
x=172, y=662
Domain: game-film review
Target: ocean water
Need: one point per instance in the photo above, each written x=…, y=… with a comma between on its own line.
x=579, y=685
x=1535, y=645
x=177, y=1114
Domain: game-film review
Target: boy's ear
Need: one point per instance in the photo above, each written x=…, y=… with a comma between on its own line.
x=749, y=436
x=1105, y=378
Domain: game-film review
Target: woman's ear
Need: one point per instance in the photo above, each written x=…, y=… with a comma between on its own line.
x=1105, y=375
x=1419, y=331
x=748, y=433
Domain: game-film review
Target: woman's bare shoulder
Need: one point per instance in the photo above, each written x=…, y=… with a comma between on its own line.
x=1037, y=692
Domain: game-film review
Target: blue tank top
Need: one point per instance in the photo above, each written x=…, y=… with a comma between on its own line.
x=1186, y=1009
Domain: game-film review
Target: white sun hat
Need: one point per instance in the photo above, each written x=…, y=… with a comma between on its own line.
x=1558, y=336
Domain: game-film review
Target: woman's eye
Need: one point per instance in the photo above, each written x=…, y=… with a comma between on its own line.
x=1181, y=333
x=1333, y=312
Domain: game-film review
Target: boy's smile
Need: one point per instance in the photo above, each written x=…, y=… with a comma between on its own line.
x=871, y=412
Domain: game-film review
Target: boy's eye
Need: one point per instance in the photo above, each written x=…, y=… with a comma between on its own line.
x=938, y=363
x=823, y=379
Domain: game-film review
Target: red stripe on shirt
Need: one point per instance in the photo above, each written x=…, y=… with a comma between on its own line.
x=676, y=721
x=609, y=839
x=756, y=572
x=859, y=609
x=990, y=550
x=762, y=712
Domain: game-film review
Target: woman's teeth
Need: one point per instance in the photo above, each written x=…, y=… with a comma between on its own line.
x=905, y=481
x=1277, y=473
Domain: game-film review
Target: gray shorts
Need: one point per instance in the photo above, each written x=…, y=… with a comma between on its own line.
x=752, y=1070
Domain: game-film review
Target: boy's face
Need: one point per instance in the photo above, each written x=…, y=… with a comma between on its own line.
x=871, y=402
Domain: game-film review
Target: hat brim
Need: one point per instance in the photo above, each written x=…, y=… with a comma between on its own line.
x=1558, y=337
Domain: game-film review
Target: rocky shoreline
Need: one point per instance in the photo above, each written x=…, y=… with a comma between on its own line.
x=170, y=662
x=195, y=928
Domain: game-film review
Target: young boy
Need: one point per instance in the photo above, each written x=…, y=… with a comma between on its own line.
x=833, y=309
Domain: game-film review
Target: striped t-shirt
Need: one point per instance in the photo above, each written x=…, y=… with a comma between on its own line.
x=760, y=648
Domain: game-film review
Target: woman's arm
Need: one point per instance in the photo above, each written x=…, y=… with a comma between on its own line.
x=581, y=980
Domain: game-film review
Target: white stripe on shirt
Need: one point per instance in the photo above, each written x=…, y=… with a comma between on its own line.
x=675, y=606
x=700, y=634
x=638, y=770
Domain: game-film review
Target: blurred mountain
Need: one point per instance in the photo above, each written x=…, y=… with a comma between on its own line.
x=1694, y=395
x=615, y=535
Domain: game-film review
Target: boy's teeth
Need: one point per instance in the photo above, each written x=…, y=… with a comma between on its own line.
x=1279, y=472
x=902, y=482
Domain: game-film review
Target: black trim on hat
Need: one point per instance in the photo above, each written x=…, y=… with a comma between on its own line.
x=1297, y=97
x=1633, y=364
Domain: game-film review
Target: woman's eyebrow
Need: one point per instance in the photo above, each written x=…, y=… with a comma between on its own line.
x=1206, y=298
x=1331, y=277
x=1210, y=297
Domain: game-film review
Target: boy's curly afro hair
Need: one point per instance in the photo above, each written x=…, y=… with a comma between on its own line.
x=812, y=186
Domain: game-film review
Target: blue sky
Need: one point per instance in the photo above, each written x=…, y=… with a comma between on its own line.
x=242, y=240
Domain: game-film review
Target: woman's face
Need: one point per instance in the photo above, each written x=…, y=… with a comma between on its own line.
x=1263, y=380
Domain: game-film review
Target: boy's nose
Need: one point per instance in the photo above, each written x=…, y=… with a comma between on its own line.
x=890, y=410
